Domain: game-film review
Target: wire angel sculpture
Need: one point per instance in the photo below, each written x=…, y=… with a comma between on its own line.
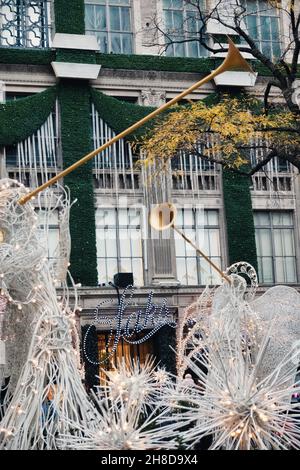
x=45, y=387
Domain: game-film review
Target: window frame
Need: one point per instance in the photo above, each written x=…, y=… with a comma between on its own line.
x=258, y=14
x=202, y=52
x=107, y=4
x=271, y=227
x=117, y=227
x=206, y=227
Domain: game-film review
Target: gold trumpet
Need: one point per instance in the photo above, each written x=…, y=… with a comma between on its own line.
x=233, y=61
x=163, y=216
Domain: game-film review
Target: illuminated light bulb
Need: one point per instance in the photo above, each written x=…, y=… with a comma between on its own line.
x=250, y=435
x=17, y=247
x=19, y=307
x=1, y=275
x=233, y=434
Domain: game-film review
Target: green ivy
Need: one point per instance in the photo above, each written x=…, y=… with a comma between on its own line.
x=164, y=343
x=69, y=16
x=30, y=56
x=119, y=115
x=239, y=218
x=203, y=65
x=21, y=118
x=76, y=134
x=70, y=55
x=91, y=370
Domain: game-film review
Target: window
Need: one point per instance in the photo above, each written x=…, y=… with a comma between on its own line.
x=182, y=22
x=275, y=247
x=119, y=243
x=202, y=227
x=263, y=24
x=24, y=23
x=126, y=351
x=50, y=238
x=110, y=21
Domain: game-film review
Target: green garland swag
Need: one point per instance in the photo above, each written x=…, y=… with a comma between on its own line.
x=21, y=118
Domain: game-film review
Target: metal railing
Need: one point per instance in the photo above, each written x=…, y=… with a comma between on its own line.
x=25, y=23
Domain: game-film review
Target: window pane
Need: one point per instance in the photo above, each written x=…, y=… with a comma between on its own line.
x=179, y=245
x=290, y=267
x=134, y=217
x=282, y=218
x=126, y=44
x=125, y=20
x=288, y=237
x=125, y=265
x=188, y=217
x=266, y=272
x=105, y=217
x=115, y=23
x=116, y=43
x=138, y=274
x=111, y=243
x=100, y=240
x=178, y=21
x=279, y=269
x=192, y=276
x=123, y=217
x=264, y=242
x=214, y=242
x=136, y=244
x=265, y=26
x=274, y=29
x=53, y=242
x=278, y=242
x=181, y=270
x=252, y=26
x=124, y=243
x=261, y=218
x=213, y=218
x=96, y=18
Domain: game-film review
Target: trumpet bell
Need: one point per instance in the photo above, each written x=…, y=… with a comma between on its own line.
x=235, y=60
x=162, y=216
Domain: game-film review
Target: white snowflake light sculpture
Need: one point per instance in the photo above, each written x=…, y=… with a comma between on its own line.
x=130, y=420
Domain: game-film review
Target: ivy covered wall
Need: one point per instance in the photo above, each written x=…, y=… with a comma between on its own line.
x=76, y=136
x=239, y=218
x=69, y=16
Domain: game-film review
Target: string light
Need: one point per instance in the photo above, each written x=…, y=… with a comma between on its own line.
x=152, y=318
